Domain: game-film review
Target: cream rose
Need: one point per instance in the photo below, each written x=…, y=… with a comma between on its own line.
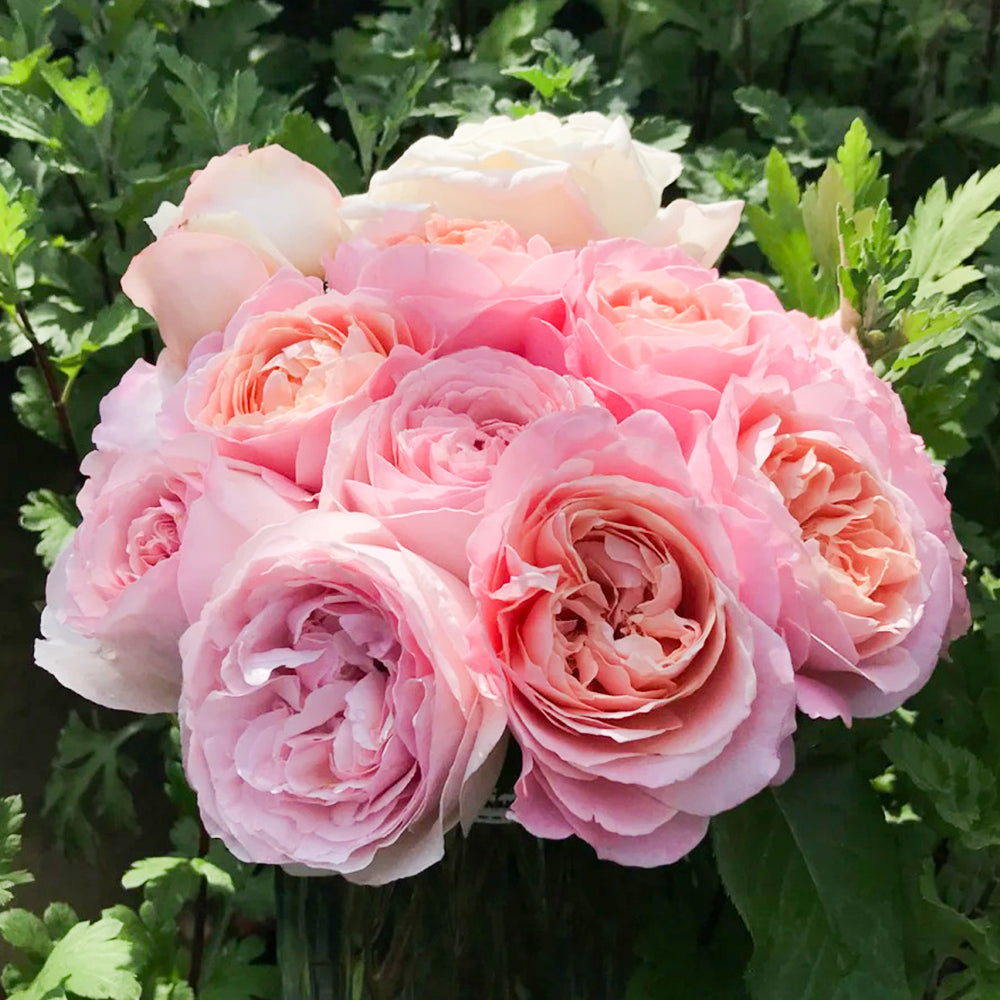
x=570, y=181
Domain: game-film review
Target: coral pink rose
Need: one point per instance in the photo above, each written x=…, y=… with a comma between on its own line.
x=289, y=358
x=417, y=448
x=571, y=181
x=868, y=509
x=330, y=720
x=648, y=327
x=645, y=693
x=243, y=217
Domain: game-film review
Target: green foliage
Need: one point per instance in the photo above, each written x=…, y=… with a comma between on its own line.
x=11, y=821
x=89, y=780
x=812, y=870
x=807, y=109
x=53, y=517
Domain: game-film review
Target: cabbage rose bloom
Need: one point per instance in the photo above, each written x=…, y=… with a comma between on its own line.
x=288, y=358
x=243, y=217
x=571, y=181
x=645, y=693
x=330, y=719
x=868, y=512
x=418, y=446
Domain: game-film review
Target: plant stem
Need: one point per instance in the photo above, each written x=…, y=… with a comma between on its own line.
x=793, y=51
x=876, y=44
x=746, y=42
x=88, y=218
x=990, y=51
x=48, y=374
x=200, y=917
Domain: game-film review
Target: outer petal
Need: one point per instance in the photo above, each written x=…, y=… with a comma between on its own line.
x=192, y=284
x=290, y=203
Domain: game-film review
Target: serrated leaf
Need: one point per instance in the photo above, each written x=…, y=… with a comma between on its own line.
x=33, y=405
x=858, y=166
x=91, y=961
x=811, y=867
x=11, y=821
x=944, y=232
x=961, y=787
x=236, y=974
x=24, y=116
x=85, y=96
x=524, y=19
x=150, y=870
x=24, y=931
x=88, y=781
x=54, y=517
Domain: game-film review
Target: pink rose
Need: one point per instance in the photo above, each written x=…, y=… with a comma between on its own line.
x=289, y=357
x=643, y=689
x=113, y=615
x=114, y=612
x=647, y=326
x=868, y=510
x=417, y=448
x=330, y=720
x=243, y=217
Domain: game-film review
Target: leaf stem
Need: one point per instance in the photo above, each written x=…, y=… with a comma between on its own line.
x=44, y=364
x=200, y=917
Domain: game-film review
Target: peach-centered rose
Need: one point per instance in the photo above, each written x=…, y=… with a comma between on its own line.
x=289, y=358
x=643, y=691
x=879, y=574
x=863, y=555
x=330, y=719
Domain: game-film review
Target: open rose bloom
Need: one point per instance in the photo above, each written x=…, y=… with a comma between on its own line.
x=488, y=454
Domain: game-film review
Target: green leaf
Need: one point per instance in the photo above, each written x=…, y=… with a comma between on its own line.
x=151, y=870
x=91, y=961
x=812, y=869
x=110, y=326
x=524, y=19
x=86, y=96
x=54, y=517
x=24, y=931
x=781, y=234
x=962, y=789
x=11, y=821
x=24, y=116
x=88, y=781
x=33, y=405
x=59, y=918
x=859, y=168
x=944, y=232
x=236, y=974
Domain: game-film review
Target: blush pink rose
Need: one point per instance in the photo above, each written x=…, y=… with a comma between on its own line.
x=114, y=612
x=243, y=217
x=330, y=720
x=644, y=691
x=868, y=510
x=649, y=327
x=289, y=357
x=417, y=448
x=467, y=301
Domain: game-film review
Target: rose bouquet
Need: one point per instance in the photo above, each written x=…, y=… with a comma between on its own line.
x=489, y=454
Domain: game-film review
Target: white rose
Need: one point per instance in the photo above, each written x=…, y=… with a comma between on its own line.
x=570, y=181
